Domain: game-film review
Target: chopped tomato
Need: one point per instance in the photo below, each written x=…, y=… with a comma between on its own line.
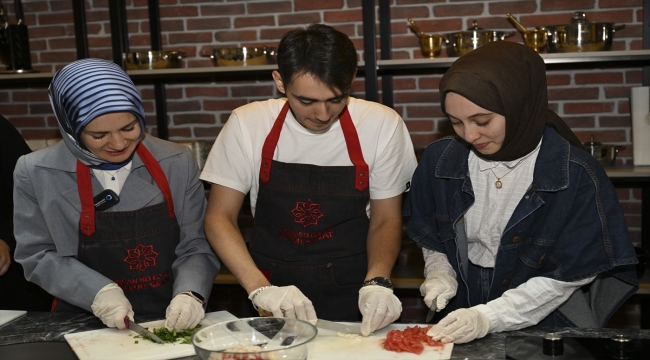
x=409, y=340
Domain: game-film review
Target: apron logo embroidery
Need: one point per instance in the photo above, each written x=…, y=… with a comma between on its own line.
x=306, y=213
x=141, y=258
x=299, y=237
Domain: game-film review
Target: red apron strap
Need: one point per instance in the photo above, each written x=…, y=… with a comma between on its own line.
x=158, y=176
x=85, y=187
x=354, y=150
x=270, y=143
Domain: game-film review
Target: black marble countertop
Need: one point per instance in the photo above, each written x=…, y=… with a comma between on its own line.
x=46, y=326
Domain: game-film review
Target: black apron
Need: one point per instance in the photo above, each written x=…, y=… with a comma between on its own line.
x=311, y=225
x=135, y=249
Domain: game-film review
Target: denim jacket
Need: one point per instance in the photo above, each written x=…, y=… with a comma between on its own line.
x=568, y=226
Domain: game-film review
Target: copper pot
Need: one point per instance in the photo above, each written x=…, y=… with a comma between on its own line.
x=242, y=56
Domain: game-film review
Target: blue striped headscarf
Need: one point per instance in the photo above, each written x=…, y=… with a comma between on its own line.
x=85, y=89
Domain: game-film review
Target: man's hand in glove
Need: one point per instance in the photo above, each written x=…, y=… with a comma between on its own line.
x=379, y=307
x=461, y=326
x=184, y=312
x=284, y=301
x=111, y=306
x=438, y=286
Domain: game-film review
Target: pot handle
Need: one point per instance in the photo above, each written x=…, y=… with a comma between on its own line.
x=618, y=27
x=205, y=53
x=506, y=34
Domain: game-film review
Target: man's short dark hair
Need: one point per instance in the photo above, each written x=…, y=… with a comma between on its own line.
x=320, y=50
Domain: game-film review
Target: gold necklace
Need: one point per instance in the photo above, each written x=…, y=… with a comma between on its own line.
x=498, y=184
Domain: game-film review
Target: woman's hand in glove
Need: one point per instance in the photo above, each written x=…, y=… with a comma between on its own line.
x=184, y=312
x=379, y=307
x=284, y=301
x=440, y=287
x=461, y=326
x=111, y=306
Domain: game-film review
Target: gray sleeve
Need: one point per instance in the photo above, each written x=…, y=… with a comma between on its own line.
x=196, y=265
x=62, y=276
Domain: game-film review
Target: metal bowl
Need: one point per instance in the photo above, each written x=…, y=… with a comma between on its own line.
x=581, y=35
x=242, y=56
x=462, y=42
x=152, y=60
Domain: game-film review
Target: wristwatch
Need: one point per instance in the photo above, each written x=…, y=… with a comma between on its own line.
x=379, y=280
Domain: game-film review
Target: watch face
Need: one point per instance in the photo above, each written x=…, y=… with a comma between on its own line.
x=381, y=281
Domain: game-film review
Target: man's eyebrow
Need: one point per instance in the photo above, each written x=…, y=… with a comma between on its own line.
x=305, y=98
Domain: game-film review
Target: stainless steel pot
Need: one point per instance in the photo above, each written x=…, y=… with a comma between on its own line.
x=605, y=154
x=152, y=60
x=580, y=35
x=462, y=42
x=242, y=56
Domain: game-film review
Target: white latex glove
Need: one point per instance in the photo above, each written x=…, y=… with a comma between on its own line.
x=111, y=306
x=183, y=312
x=439, y=286
x=284, y=301
x=461, y=326
x=379, y=307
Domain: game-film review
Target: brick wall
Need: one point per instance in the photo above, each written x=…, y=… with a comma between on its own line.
x=592, y=100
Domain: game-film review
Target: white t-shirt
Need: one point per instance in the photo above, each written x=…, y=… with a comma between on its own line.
x=235, y=158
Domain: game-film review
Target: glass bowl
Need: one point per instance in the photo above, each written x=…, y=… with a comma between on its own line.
x=258, y=338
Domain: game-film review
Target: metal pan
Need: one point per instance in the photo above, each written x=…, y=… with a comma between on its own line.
x=152, y=60
x=242, y=56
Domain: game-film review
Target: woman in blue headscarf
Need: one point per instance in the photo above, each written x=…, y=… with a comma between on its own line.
x=110, y=220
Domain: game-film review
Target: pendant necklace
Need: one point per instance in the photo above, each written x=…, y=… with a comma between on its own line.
x=112, y=175
x=498, y=184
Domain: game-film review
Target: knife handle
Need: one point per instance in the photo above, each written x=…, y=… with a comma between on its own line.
x=126, y=321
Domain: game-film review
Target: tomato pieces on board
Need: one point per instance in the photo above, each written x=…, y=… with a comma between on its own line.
x=409, y=340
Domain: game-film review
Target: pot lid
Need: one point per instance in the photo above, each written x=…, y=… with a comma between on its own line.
x=580, y=17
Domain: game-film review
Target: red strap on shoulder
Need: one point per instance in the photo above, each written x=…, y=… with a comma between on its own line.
x=85, y=187
x=158, y=176
x=361, y=177
x=270, y=144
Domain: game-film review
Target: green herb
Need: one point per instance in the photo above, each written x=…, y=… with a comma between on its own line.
x=173, y=336
x=136, y=341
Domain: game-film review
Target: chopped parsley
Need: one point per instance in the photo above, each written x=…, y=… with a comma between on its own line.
x=174, y=336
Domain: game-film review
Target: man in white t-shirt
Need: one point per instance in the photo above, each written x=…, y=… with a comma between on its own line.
x=325, y=173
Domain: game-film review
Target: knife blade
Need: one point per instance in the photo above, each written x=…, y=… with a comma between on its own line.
x=339, y=327
x=141, y=331
x=432, y=310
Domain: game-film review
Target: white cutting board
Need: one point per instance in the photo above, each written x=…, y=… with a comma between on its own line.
x=111, y=344
x=9, y=315
x=330, y=346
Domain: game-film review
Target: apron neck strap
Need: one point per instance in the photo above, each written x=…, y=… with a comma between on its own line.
x=361, y=175
x=84, y=185
x=158, y=176
x=351, y=140
x=270, y=143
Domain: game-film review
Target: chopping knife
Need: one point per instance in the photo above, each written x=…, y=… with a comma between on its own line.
x=339, y=327
x=432, y=310
x=140, y=330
